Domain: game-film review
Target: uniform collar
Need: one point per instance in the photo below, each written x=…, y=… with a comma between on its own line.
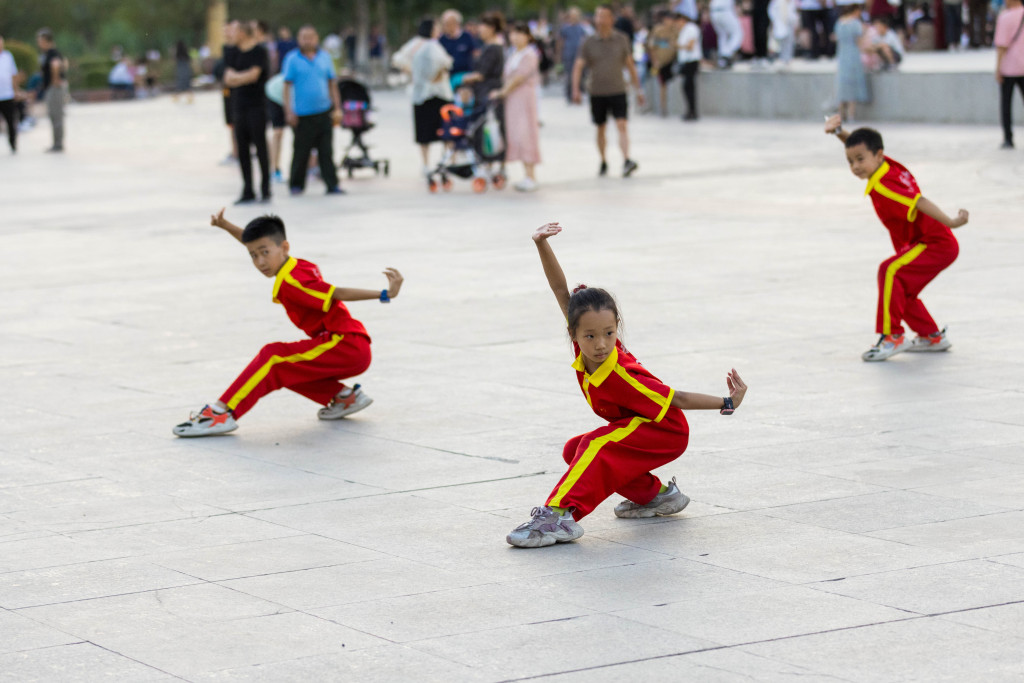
x=286, y=269
x=876, y=176
x=602, y=372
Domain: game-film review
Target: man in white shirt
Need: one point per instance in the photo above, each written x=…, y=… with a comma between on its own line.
x=8, y=105
x=688, y=57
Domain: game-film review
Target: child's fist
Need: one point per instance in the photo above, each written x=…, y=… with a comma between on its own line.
x=961, y=219
x=547, y=230
x=395, y=281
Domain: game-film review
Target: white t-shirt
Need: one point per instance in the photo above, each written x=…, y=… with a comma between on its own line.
x=690, y=32
x=8, y=70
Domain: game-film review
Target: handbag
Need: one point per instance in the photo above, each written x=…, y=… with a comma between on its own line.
x=493, y=143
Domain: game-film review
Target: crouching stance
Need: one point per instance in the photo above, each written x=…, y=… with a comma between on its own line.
x=338, y=346
x=646, y=428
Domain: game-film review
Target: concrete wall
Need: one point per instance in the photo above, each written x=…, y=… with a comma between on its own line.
x=971, y=98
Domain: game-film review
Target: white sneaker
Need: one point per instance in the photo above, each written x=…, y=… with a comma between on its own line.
x=526, y=185
x=668, y=502
x=933, y=342
x=546, y=528
x=207, y=422
x=888, y=345
x=343, y=406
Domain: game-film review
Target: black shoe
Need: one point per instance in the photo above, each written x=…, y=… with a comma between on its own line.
x=265, y=199
x=628, y=168
x=690, y=117
x=1007, y=144
x=335, y=190
x=245, y=199
x=603, y=171
x=54, y=149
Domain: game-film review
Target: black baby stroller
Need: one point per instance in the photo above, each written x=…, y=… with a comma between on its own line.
x=355, y=108
x=469, y=153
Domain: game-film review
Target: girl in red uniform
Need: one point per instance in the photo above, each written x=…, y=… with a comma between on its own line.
x=646, y=428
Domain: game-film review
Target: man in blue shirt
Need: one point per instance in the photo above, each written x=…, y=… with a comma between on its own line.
x=312, y=108
x=458, y=43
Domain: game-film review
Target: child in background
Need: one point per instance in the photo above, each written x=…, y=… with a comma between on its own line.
x=338, y=346
x=646, y=427
x=921, y=234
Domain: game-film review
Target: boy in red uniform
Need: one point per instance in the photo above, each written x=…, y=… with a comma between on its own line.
x=338, y=346
x=921, y=234
x=646, y=427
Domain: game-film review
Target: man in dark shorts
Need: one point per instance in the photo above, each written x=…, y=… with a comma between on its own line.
x=606, y=54
x=246, y=75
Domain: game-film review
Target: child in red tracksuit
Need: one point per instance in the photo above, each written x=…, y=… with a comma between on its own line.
x=338, y=346
x=921, y=234
x=646, y=428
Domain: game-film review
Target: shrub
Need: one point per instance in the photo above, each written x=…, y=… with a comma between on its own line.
x=25, y=56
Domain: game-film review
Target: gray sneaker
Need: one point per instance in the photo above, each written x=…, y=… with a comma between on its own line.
x=343, y=406
x=546, y=528
x=669, y=502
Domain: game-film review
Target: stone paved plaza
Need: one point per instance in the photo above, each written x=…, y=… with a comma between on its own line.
x=852, y=521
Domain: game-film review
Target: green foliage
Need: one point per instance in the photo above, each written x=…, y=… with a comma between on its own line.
x=25, y=56
x=119, y=32
x=90, y=71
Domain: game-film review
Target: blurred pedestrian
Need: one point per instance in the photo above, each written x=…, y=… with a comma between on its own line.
x=522, y=124
x=851, y=81
x=570, y=37
x=246, y=73
x=1009, y=62
x=661, y=44
x=54, y=86
x=728, y=29
x=314, y=110
x=689, y=56
x=8, y=93
x=431, y=87
x=457, y=42
x=182, y=72
x=230, y=38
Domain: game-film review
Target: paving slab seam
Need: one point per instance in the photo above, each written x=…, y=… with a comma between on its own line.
x=137, y=661
x=111, y=595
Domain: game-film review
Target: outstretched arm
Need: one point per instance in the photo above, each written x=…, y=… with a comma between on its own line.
x=928, y=208
x=352, y=294
x=690, y=401
x=553, y=271
x=834, y=126
x=218, y=220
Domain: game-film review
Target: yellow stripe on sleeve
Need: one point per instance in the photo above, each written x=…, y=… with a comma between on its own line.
x=662, y=401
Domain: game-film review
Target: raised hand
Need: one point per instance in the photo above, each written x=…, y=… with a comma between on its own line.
x=547, y=230
x=833, y=123
x=961, y=219
x=217, y=219
x=737, y=389
x=395, y=280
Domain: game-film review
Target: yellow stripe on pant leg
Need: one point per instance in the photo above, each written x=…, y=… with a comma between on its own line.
x=588, y=456
x=890, y=275
x=264, y=370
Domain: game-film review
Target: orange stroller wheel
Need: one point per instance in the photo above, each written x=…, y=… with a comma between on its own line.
x=479, y=185
x=500, y=181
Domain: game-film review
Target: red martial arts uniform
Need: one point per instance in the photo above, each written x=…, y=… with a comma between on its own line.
x=924, y=248
x=643, y=433
x=338, y=347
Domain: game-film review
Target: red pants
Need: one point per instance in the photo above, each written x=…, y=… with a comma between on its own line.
x=311, y=367
x=619, y=458
x=901, y=278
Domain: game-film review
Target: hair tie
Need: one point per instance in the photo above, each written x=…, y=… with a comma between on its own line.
x=578, y=288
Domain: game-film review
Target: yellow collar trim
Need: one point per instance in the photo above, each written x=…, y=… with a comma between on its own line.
x=877, y=176
x=286, y=269
x=601, y=374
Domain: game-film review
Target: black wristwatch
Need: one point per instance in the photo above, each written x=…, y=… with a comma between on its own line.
x=727, y=407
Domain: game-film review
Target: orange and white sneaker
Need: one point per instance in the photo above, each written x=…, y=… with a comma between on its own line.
x=933, y=342
x=888, y=345
x=347, y=401
x=207, y=422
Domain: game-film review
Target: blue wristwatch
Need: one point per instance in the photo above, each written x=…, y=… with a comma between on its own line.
x=384, y=298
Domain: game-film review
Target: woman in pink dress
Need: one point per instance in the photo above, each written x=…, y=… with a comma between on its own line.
x=522, y=126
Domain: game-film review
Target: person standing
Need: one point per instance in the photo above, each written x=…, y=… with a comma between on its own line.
x=55, y=85
x=315, y=109
x=661, y=44
x=522, y=124
x=760, y=24
x=728, y=29
x=953, y=11
x=457, y=42
x=229, y=49
x=851, y=81
x=570, y=37
x=607, y=53
x=182, y=72
x=431, y=87
x=1009, y=43
x=246, y=75
x=8, y=102
x=689, y=55
x=814, y=18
